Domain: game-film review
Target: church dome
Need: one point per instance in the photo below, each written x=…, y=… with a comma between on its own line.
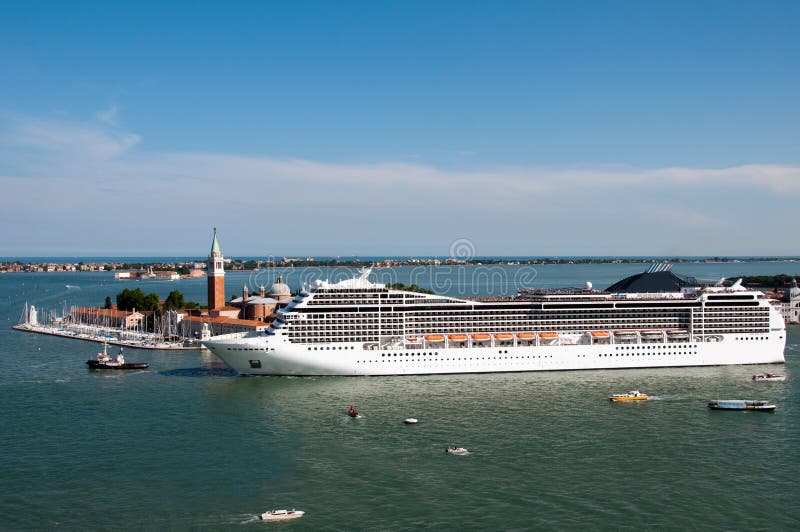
x=280, y=290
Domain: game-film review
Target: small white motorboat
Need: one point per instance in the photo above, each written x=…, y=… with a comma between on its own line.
x=459, y=451
x=282, y=515
x=769, y=377
x=411, y=421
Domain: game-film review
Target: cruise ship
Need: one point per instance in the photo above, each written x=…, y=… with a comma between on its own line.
x=652, y=319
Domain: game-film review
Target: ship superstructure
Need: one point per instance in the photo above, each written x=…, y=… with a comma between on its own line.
x=358, y=327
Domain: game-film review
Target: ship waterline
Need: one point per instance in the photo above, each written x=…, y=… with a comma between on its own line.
x=356, y=327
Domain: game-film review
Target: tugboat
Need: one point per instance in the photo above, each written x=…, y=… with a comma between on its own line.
x=738, y=404
x=769, y=377
x=103, y=361
x=282, y=515
x=633, y=395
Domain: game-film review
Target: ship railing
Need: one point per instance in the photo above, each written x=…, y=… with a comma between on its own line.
x=230, y=336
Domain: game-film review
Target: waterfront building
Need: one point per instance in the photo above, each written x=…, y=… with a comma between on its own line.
x=263, y=307
x=107, y=317
x=788, y=302
x=192, y=326
x=256, y=307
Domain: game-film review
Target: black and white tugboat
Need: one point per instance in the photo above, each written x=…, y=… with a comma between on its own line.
x=103, y=361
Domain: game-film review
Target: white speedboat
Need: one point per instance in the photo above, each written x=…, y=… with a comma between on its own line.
x=282, y=515
x=456, y=450
x=769, y=377
x=411, y=421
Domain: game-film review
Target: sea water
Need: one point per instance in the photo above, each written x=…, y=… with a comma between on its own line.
x=188, y=445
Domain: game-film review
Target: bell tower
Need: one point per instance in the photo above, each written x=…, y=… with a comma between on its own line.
x=216, y=276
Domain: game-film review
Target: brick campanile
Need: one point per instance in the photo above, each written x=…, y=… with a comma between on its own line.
x=216, y=276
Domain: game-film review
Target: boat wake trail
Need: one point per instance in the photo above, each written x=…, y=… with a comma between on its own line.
x=246, y=519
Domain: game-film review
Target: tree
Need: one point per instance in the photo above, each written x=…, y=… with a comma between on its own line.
x=151, y=302
x=174, y=301
x=130, y=299
x=409, y=288
x=108, y=302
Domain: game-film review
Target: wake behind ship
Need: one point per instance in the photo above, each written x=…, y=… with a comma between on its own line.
x=652, y=319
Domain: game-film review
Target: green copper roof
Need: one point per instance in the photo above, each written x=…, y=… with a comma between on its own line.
x=215, y=244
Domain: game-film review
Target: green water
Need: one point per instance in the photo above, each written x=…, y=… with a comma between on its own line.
x=186, y=445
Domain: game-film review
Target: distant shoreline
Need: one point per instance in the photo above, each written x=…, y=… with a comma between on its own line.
x=74, y=264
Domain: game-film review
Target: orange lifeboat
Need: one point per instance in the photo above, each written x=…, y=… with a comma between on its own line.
x=677, y=332
x=480, y=337
x=457, y=337
x=434, y=338
x=503, y=336
x=412, y=339
x=526, y=336
x=548, y=335
x=600, y=334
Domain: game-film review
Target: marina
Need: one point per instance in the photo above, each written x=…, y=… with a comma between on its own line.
x=68, y=324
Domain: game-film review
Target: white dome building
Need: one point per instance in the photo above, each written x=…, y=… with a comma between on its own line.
x=280, y=291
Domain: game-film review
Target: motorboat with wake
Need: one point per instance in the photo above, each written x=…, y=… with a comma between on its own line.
x=633, y=395
x=352, y=412
x=104, y=361
x=773, y=377
x=282, y=515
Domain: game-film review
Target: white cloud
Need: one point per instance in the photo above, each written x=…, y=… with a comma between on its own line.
x=65, y=140
x=108, y=116
x=78, y=168
x=92, y=143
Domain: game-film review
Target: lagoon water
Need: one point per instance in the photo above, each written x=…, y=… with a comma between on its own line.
x=188, y=445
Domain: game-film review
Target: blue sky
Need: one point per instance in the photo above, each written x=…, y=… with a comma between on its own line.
x=363, y=128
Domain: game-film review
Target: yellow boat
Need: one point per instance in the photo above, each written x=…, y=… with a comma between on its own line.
x=633, y=395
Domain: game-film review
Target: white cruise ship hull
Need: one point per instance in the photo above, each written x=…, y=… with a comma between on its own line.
x=355, y=327
x=273, y=355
